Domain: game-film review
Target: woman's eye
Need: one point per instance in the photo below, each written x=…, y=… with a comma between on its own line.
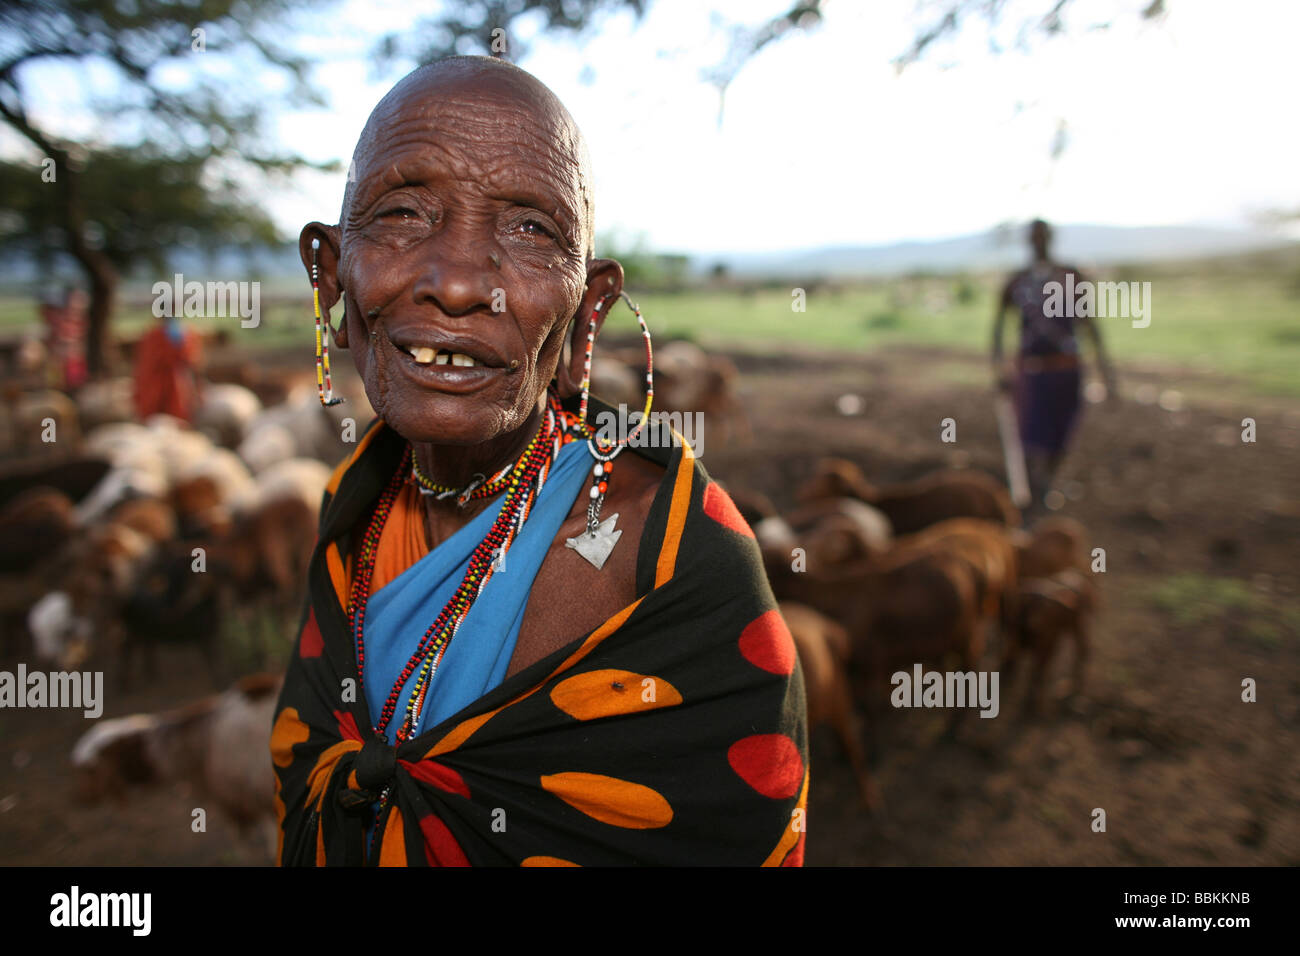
x=537, y=228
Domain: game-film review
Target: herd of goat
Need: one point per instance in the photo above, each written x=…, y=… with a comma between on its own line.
x=137, y=535
x=100, y=554
x=872, y=580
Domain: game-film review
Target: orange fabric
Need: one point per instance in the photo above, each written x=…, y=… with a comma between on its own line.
x=319, y=778
x=402, y=541
x=333, y=484
x=610, y=693
x=288, y=730
x=681, y=502
x=164, y=374
x=546, y=861
x=392, y=852
x=339, y=575
x=465, y=729
x=790, y=838
x=620, y=803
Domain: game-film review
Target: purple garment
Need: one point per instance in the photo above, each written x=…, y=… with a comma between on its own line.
x=1040, y=333
x=1049, y=380
x=1047, y=407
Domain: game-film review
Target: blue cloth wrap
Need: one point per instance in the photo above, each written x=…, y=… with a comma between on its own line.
x=476, y=660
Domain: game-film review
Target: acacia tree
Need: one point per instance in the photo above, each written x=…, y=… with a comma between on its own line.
x=488, y=27
x=163, y=155
x=1024, y=23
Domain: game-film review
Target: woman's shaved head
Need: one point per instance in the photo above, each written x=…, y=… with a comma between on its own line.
x=465, y=81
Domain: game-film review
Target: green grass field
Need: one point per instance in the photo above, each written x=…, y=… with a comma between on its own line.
x=1243, y=327
x=1238, y=318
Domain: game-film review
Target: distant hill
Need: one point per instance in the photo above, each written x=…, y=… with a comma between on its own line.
x=1002, y=249
x=997, y=249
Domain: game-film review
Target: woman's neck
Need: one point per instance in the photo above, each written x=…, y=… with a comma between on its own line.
x=456, y=466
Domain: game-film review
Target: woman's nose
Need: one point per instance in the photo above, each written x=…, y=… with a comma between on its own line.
x=458, y=278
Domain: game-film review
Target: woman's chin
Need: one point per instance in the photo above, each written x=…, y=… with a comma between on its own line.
x=455, y=425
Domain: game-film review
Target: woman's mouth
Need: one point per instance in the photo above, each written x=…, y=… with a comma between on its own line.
x=424, y=355
x=444, y=369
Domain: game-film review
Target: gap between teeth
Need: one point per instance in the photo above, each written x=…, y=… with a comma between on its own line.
x=426, y=356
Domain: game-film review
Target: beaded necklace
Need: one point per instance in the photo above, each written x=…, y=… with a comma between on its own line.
x=523, y=485
x=480, y=487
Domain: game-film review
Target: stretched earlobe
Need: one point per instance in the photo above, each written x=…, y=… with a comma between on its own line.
x=319, y=244
x=569, y=372
x=604, y=285
x=340, y=333
x=310, y=243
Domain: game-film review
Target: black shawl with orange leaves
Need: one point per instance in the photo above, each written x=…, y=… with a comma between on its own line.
x=674, y=733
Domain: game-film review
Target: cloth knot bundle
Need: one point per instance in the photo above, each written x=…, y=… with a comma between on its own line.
x=376, y=764
x=673, y=733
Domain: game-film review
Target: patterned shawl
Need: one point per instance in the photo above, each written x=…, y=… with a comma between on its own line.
x=674, y=733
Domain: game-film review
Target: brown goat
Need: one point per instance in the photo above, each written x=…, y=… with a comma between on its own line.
x=220, y=744
x=1049, y=610
x=1050, y=546
x=34, y=527
x=830, y=532
x=151, y=517
x=34, y=524
x=899, y=609
x=988, y=550
x=913, y=505
x=824, y=651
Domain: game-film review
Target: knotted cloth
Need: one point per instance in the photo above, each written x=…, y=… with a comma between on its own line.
x=673, y=733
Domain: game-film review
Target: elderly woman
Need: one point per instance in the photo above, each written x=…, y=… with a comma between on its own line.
x=516, y=649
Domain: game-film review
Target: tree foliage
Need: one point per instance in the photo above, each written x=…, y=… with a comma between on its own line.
x=160, y=159
x=1024, y=23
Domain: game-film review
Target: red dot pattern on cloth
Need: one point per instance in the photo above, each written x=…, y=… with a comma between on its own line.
x=311, y=645
x=719, y=506
x=440, y=847
x=770, y=763
x=347, y=725
x=437, y=775
x=767, y=644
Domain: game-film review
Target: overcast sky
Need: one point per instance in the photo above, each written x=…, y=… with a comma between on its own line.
x=1188, y=120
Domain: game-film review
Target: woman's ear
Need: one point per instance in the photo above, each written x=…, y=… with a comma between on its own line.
x=327, y=260
x=604, y=283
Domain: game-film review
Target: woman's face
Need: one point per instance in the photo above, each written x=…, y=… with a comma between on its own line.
x=463, y=254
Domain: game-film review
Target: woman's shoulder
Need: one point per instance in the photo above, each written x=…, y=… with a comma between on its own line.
x=692, y=528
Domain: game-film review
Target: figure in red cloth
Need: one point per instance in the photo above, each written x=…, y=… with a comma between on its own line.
x=64, y=313
x=165, y=364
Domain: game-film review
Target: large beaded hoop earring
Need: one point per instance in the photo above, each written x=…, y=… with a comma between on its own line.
x=586, y=370
x=596, y=543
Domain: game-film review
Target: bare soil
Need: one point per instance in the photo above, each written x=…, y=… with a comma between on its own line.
x=1186, y=772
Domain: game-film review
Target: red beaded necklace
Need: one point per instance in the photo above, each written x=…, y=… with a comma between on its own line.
x=525, y=482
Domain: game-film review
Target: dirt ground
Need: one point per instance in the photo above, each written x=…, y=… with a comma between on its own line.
x=1200, y=532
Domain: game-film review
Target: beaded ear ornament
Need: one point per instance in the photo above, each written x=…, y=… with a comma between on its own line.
x=323, y=385
x=596, y=543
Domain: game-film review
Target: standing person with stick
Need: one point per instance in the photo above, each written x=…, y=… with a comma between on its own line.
x=1045, y=380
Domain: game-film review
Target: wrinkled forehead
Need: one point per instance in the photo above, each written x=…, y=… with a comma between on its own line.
x=491, y=124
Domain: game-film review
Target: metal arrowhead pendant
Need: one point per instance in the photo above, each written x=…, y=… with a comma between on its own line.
x=596, y=545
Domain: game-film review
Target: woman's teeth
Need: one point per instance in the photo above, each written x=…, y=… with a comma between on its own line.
x=426, y=356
